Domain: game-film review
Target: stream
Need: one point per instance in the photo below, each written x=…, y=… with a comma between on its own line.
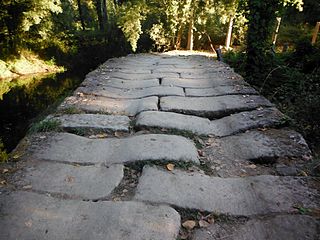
x=25, y=100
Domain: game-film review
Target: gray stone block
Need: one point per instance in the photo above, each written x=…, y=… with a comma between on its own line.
x=30, y=216
x=85, y=182
x=220, y=91
x=66, y=147
x=95, y=104
x=235, y=196
x=93, y=122
x=289, y=227
x=131, y=93
x=212, y=107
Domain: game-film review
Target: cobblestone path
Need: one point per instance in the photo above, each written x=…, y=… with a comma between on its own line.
x=162, y=147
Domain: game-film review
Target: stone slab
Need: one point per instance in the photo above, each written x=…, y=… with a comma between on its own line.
x=133, y=76
x=243, y=121
x=289, y=227
x=85, y=182
x=31, y=216
x=229, y=125
x=95, y=104
x=99, y=122
x=235, y=196
x=213, y=107
x=197, y=83
x=220, y=91
x=131, y=93
x=170, y=120
x=125, y=84
x=66, y=147
x=259, y=146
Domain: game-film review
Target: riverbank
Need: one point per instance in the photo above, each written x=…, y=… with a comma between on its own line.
x=25, y=64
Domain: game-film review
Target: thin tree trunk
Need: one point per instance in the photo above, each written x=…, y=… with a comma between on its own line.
x=190, y=35
x=81, y=15
x=179, y=36
x=315, y=33
x=99, y=13
x=229, y=33
x=105, y=12
x=276, y=33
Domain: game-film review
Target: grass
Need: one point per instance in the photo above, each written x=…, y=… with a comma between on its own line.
x=47, y=125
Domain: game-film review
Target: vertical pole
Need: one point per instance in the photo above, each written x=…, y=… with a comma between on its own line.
x=275, y=35
x=315, y=33
x=190, y=35
x=229, y=33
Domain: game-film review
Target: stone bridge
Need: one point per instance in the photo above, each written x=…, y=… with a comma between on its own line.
x=162, y=147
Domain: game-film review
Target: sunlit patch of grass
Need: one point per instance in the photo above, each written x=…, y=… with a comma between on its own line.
x=47, y=125
x=3, y=154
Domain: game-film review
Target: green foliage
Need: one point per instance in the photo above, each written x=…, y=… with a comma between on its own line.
x=3, y=154
x=130, y=21
x=292, y=81
x=46, y=125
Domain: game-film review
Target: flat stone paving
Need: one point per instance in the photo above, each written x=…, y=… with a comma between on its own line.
x=82, y=182
x=275, y=228
x=66, y=147
x=98, y=104
x=98, y=122
x=32, y=216
x=212, y=107
x=229, y=125
x=235, y=196
x=173, y=137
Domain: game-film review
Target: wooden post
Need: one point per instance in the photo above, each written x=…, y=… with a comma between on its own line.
x=275, y=35
x=229, y=33
x=315, y=33
x=190, y=35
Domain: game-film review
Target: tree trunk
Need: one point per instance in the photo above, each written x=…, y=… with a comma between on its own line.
x=99, y=13
x=81, y=15
x=315, y=33
x=229, y=33
x=275, y=35
x=179, y=36
x=190, y=36
x=104, y=12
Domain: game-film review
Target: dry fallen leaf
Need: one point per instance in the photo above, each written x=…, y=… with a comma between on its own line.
x=252, y=166
x=189, y=224
x=203, y=224
x=170, y=166
x=28, y=223
x=5, y=170
x=27, y=187
x=69, y=179
x=3, y=182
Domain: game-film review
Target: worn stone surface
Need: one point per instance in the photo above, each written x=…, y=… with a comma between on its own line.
x=172, y=120
x=198, y=83
x=93, y=122
x=229, y=125
x=85, y=182
x=122, y=84
x=31, y=216
x=235, y=196
x=220, y=91
x=66, y=147
x=259, y=146
x=290, y=227
x=95, y=104
x=132, y=93
x=212, y=107
x=134, y=76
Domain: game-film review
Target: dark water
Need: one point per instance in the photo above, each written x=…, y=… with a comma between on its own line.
x=23, y=100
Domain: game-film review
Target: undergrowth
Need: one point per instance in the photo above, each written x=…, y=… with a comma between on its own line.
x=291, y=81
